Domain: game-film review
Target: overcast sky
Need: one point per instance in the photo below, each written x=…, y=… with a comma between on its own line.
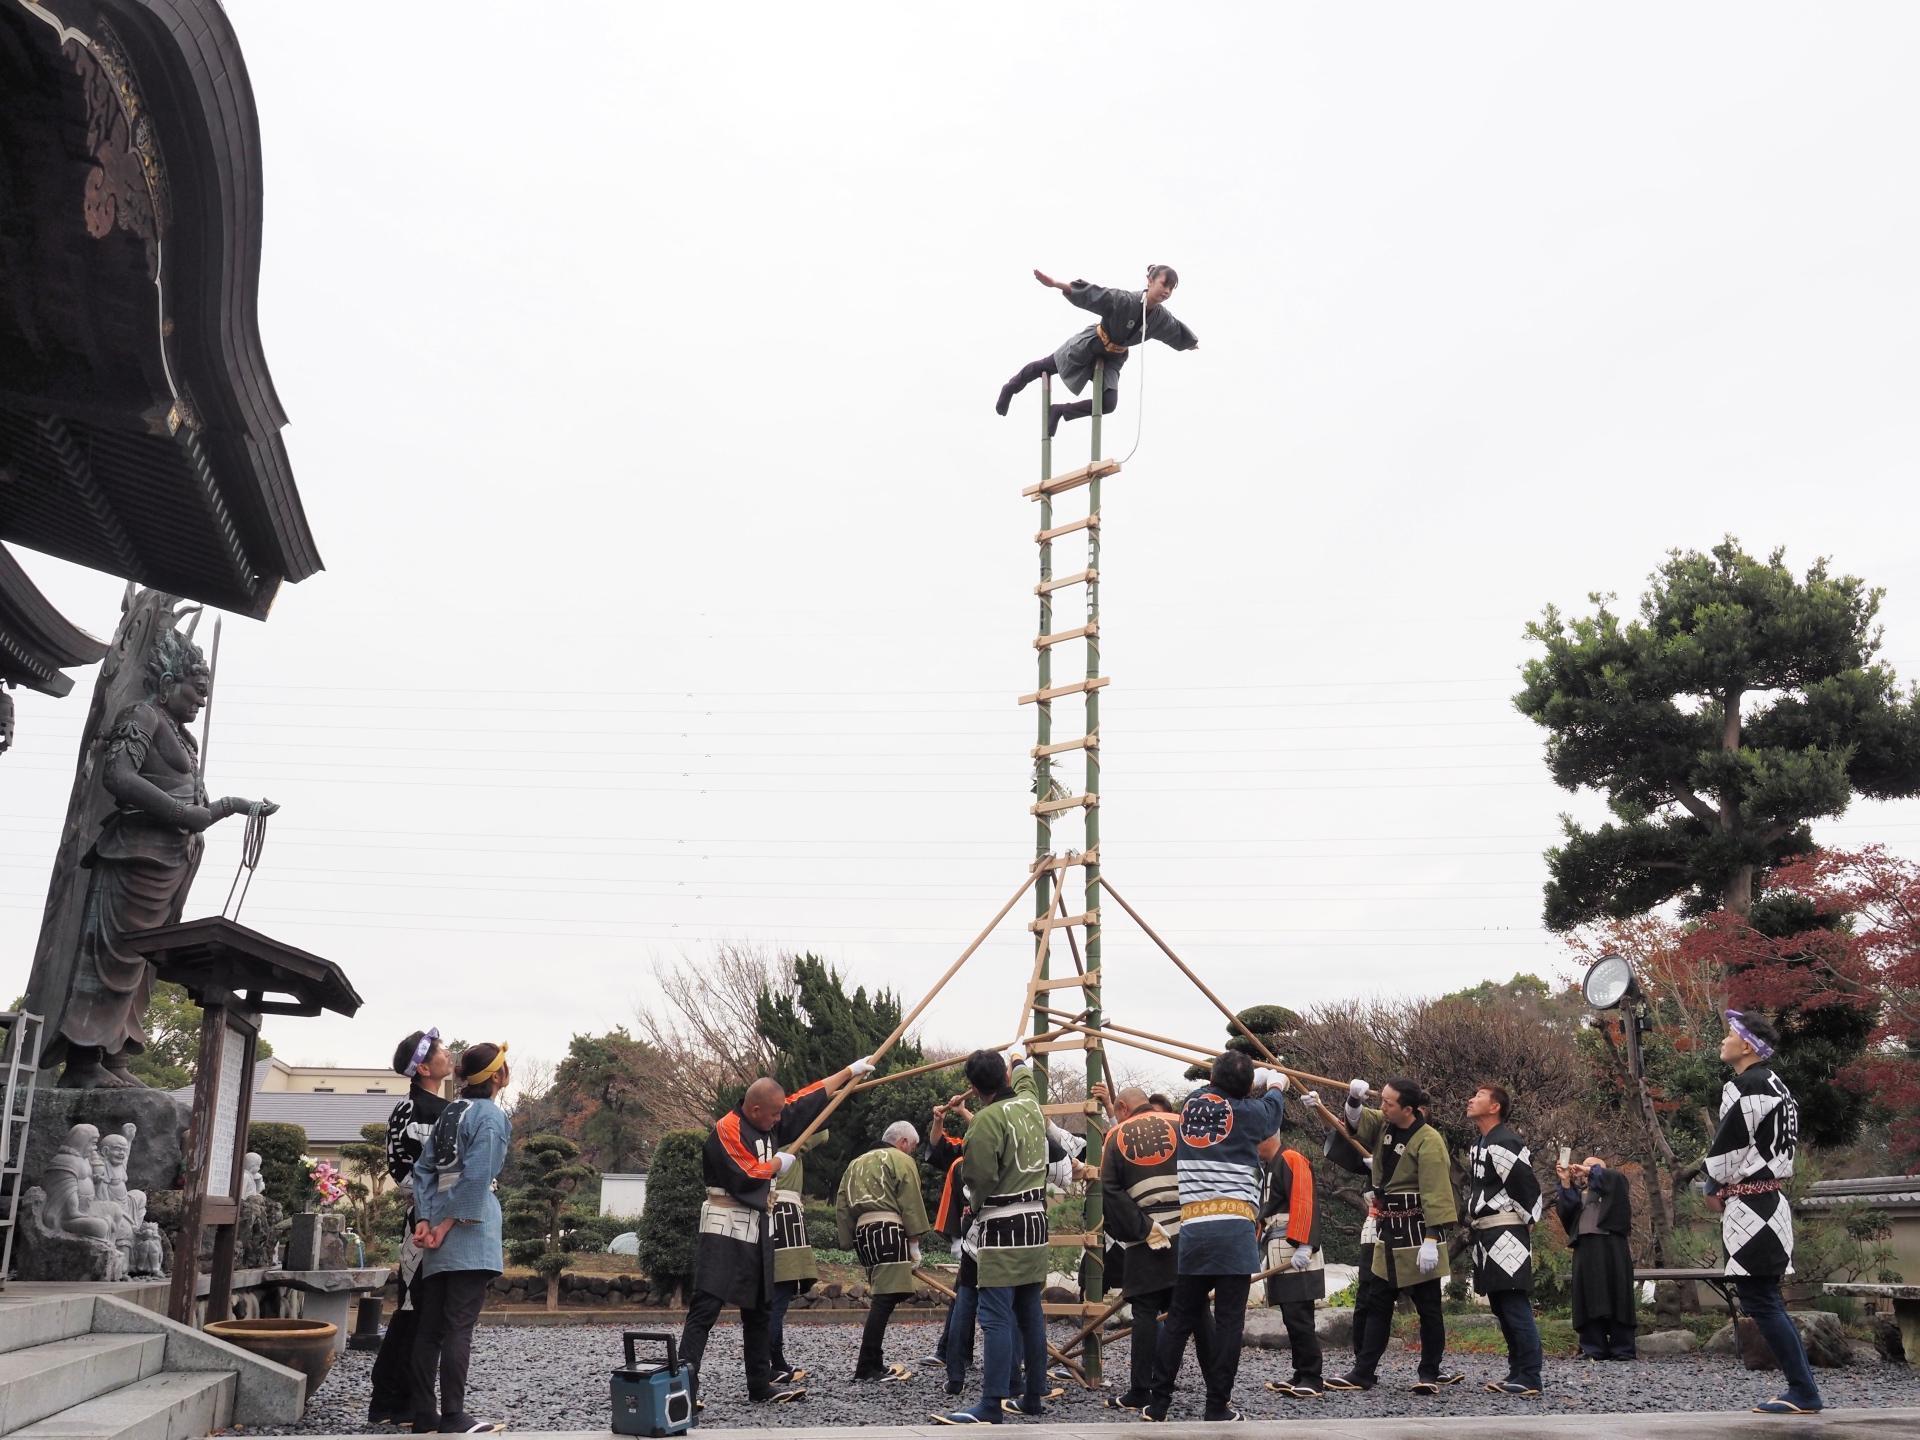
x=640, y=364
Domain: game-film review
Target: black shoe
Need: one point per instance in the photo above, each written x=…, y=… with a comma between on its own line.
x=953, y=1389
x=1053, y=421
x=1006, y=399
x=388, y=1417
x=1227, y=1414
x=1513, y=1387
x=1018, y=1407
x=465, y=1424
x=1128, y=1401
x=784, y=1396
x=1154, y=1414
x=1347, y=1382
x=1300, y=1389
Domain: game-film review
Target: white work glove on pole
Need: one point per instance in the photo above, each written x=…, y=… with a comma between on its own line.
x=1270, y=1080
x=1311, y=1098
x=861, y=1068
x=1429, y=1256
x=1016, y=1055
x=1302, y=1257
x=913, y=1251
x=784, y=1161
x=1356, y=1095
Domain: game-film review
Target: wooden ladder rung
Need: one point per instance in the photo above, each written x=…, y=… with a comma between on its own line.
x=1072, y=802
x=1045, y=1047
x=1071, y=1107
x=1067, y=982
x=1091, y=1239
x=1079, y=742
x=1041, y=537
x=1073, y=479
x=1061, y=922
x=1079, y=577
x=1067, y=862
x=1060, y=637
x=1078, y=687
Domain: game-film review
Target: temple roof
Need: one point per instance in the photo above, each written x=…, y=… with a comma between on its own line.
x=36, y=642
x=139, y=429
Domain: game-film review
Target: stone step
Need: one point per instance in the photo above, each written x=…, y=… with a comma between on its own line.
x=174, y=1405
x=27, y=1320
x=46, y=1379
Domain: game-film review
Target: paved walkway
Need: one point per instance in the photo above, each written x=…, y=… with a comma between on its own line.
x=1706, y=1425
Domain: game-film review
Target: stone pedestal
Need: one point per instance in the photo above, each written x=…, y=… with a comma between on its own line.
x=328, y=1294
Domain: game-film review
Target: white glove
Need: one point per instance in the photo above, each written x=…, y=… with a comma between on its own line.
x=784, y=1161
x=913, y=1251
x=1270, y=1080
x=1429, y=1256
x=1357, y=1091
x=1074, y=1145
x=861, y=1068
x=1302, y=1257
x=1311, y=1098
x=1158, y=1239
x=1016, y=1055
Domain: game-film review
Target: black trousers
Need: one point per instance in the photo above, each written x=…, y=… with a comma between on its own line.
x=393, y=1366
x=755, y=1339
x=1147, y=1310
x=1072, y=410
x=1302, y=1339
x=1184, y=1317
x=449, y=1307
x=879, y=1310
x=1373, y=1325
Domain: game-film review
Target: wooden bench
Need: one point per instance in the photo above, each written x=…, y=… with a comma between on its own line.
x=1906, y=1309
x=1715, y=1280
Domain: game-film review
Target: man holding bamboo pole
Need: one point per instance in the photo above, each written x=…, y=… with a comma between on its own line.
x=733, y=1259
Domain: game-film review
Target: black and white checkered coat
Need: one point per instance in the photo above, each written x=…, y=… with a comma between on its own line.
x=1759, y=1132
x=1502, y=1187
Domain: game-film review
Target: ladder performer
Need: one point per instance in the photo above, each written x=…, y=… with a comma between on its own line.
x=1126, y=318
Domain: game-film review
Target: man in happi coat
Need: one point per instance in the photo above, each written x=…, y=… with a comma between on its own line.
x=1140, y=1195
x=424, y=1061
x=1217, y=1159
x=1127, y=318
x=1595, y=1205
x=1748, y=1163
x=1413, y=1208
x=881, y=1217
x=1290, y=1232
x=794, y=1269
x=733, y=1259
x=1005, y=1172
x=1503, y=1204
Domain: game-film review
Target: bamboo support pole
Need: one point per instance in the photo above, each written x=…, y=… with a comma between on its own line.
x=949, y=1062
x=1094, y=1269
x=906, y=1021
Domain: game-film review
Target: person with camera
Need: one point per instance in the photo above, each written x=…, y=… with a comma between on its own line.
x=1595, y=1206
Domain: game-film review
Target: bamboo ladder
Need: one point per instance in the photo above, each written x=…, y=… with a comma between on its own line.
x=1054, y=808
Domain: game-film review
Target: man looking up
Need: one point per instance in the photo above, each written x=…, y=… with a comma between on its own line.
x=733, y=1259
x=1503, y=1202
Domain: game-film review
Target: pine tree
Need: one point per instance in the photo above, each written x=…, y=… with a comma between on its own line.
x=535, y=1211
x=1743, y=704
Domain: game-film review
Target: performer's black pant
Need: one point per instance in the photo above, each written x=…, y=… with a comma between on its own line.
x=1608, y=1339
x=879, y=1310
x=1189, y=1304
x=755, y=1339
x=783, y=1293
x=393, y=1367
x=449, y=1304
x=1514, y=1310
x=1373, y=1320
x=1760, y=1300
x=1147, y=1310
x=1302, y=1339
x=1073, y=410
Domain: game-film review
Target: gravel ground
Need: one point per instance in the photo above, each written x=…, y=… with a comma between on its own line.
x=556, y=1379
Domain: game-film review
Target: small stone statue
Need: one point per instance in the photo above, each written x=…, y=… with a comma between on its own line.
x=65, y=1233
x=137, y=1237
x=252, y=1182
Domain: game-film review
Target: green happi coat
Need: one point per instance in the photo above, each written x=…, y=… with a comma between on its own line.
x=1006, y=1156
x=794, y=1261
x=883, y=1181
x=1417, y=1167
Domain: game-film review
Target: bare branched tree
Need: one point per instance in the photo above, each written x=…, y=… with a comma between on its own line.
x=706, y=1028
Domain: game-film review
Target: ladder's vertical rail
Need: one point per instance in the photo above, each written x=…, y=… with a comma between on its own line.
x=1043, y=764
x=1095, y=1262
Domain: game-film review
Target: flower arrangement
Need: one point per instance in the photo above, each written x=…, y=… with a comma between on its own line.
x=327, y=1181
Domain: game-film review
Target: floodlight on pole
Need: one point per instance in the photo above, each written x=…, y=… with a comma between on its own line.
x=1610, y=980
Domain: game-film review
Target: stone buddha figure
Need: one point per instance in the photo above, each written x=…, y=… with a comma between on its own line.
x=137, y=1237
x=70, y=1234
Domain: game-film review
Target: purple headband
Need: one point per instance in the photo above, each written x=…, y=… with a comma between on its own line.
x=421, y=1051
x=1738, y=1022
